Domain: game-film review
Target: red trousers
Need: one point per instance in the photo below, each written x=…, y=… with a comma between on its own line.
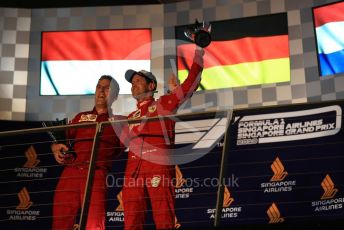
x=155, y=183
x=69, y=196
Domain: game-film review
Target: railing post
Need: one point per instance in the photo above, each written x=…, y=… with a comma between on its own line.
x=90, y=178
x=223, y=169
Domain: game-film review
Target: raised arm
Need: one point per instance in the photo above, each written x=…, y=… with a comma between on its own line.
x=193, y=79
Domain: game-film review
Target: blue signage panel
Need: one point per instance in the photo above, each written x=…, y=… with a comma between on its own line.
x=289, y=164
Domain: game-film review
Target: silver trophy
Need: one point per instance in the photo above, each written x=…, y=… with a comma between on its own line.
x=199, y=33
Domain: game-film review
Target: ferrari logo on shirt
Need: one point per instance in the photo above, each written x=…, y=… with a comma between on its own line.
x=152, y=108
x=88, y=117
x=155, y=181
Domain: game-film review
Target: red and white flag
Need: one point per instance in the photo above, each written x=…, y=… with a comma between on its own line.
x=73, y=61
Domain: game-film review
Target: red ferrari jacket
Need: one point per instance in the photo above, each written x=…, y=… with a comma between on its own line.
x=150, y=140
x=82, y=139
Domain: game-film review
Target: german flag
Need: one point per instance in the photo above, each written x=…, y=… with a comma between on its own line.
x=243, y=52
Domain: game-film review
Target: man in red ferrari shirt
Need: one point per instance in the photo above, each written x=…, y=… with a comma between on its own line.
x=149, y=171
x=69, y=192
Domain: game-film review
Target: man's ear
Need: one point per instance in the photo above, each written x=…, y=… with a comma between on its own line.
x=151, y=86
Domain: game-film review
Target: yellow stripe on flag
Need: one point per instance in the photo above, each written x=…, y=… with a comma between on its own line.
x=243, y=74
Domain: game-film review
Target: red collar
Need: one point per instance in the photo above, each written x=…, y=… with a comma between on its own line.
x=145, y=102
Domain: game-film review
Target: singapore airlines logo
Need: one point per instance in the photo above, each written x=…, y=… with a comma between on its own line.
x=179, y=178
x=328, y=186
x=117, y=215
x=177, y=225
x=278, y=170
x=120, y=200
x=227, y=212
x=274, y=214
x=31, y=158
x=179, y=183
x=24, y=199
x=227, y=199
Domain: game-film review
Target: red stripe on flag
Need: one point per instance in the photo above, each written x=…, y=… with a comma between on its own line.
x=250, y=49
x=97, y=45
x=329, y=13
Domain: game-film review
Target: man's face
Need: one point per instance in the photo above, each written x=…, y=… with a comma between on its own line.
x=102, y=95
x=139, y=87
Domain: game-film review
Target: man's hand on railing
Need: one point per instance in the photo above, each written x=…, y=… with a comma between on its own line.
x=58, y=151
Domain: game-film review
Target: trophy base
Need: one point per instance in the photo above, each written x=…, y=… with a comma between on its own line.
x=69, y=158
x=202, y=38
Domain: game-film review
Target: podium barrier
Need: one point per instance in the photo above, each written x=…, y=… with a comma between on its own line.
x=273, y=166
x=196, y=136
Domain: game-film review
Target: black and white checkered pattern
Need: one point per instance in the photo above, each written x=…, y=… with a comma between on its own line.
x=20, y=39
x=14, y=49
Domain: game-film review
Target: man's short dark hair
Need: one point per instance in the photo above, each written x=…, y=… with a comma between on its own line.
x=114, y=87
